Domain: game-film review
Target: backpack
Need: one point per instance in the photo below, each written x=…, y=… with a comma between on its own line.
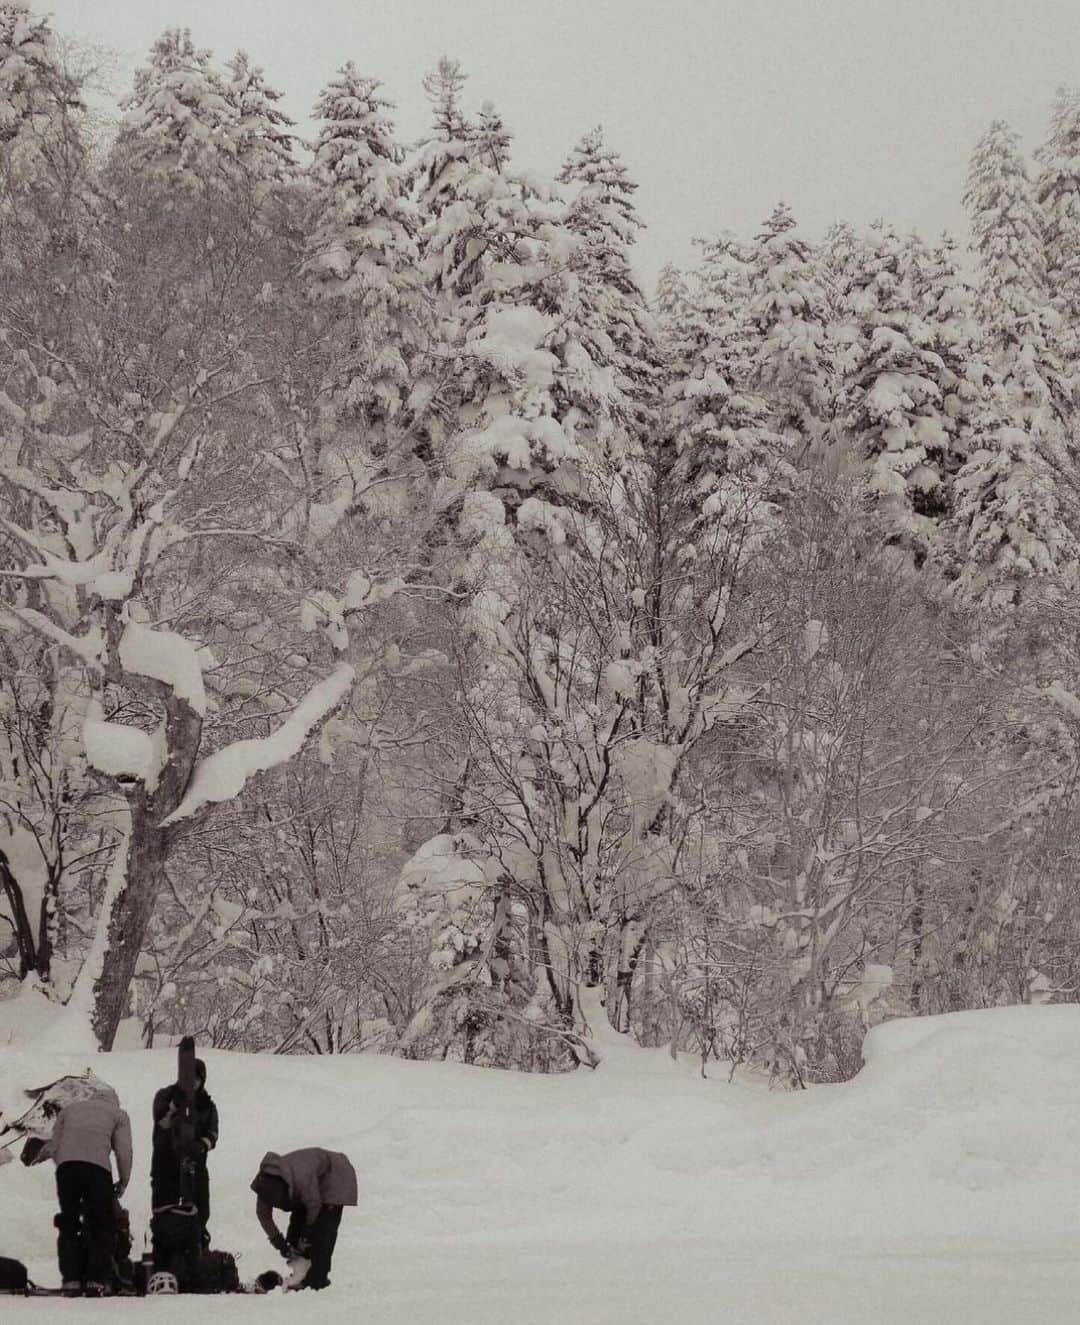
x=215, y=1272
x=177, y=1241
x=13, y=1277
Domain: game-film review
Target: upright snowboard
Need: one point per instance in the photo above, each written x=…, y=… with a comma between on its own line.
x=176, y=1228
x=185, y=1121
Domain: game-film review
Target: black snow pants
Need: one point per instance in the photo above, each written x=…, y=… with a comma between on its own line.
x=86, y=1223
x=322, y=1238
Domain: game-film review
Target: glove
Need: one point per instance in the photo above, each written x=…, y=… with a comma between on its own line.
x=119, y=1188
x=206, y=1143
x=303, y=1246
x=282, y=1247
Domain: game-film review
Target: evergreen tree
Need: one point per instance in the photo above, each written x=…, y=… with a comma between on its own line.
x=611, y=320
x=490, y=139
x=362, y=253
x=180, y=126
x=1057, y=190
x=1011, y=524
x=786, y=306
x=264, y=145
x=729, y=456
x=896, y=391
x=35, y=90
x=1007, y=234
x=48, y=202
x=443, y=160
x=671, y=297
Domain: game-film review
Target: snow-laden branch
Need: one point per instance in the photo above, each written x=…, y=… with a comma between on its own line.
x=163, y=655
x=223, y=775
x=89, y=647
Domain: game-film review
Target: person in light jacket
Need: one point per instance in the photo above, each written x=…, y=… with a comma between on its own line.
x=84, y=1138
x=313, y=1185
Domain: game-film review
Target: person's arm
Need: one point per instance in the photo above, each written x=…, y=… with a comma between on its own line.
x=209, y=1137
x=164, y=1108
x=121, y=1144
x=264, y=1212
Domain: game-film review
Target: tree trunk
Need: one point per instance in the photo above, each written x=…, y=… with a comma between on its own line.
x=146, y=851
x=631, y=943
x=24, y=935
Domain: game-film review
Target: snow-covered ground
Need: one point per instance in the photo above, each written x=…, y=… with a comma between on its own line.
x=941, y=1185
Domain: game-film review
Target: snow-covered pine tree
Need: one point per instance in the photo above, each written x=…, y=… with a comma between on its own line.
x=264, y=145
x=362, y=255
x=670, y=298
x=893, y=392
x=1010, y=522
x=439, y=174
x=39, y=100
x=490, y=139
x=613, y=322
x=1007, y=230
x=729, y=454
x=179, y=124
x=787, y=307
x=1057, y=190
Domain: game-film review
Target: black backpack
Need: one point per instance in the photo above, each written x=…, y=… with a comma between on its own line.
x=215, y=1272
x=13, y=1277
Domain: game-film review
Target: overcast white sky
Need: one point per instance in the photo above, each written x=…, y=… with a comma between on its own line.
x=843, y=108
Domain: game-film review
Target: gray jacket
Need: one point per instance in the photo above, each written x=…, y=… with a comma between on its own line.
x=314, y=1177
x=91, y=1131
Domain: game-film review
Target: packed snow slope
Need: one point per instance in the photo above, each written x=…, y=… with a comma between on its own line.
x=941, y=1185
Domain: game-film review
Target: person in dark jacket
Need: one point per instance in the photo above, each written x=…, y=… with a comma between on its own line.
x=85, y=1136
x=313, y=1185
x=165, y=1161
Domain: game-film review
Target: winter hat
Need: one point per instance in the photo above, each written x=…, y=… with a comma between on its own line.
x=272, y=1189
x=200, y=1071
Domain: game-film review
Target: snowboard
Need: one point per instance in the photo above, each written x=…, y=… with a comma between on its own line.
x=185, y=1121
x=266, y=1282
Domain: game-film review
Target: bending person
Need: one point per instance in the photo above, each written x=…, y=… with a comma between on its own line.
x=313, y=1185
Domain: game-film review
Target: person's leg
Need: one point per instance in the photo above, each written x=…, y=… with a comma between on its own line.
x=323, y=1240
x=99, y=1222
x=164, y=1175
x=69, y=1250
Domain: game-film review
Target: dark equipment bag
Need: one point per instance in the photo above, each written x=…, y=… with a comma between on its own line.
x=13, y=1276
x=178, y=1235
x=215, y=1272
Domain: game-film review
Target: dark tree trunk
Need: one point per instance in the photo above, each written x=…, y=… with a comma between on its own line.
x=24, y=934
x=632, y=941
x=146, y=851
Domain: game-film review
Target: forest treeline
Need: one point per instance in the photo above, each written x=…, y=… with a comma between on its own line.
x=407, y=624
